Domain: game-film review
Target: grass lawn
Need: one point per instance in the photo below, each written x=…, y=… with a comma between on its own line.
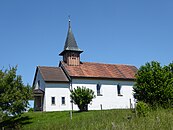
x=98, y=120
x=81, y=120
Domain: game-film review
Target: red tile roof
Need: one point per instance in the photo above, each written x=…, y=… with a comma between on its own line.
x=52, y=74
x=99, y=70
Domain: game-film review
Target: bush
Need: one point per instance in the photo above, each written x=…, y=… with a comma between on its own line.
x=31, y=110
x=142, y=109
x=14, y=95
x=82, y=96
x=154, y=85
x=2, y=115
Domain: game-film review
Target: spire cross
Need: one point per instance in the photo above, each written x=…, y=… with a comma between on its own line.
x=69, y=20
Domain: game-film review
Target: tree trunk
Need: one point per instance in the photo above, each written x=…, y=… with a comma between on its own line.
x=83, y=107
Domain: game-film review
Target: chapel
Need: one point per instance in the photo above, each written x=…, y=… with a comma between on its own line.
x=112, y=83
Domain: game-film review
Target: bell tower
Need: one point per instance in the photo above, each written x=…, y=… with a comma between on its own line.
x=71, y=52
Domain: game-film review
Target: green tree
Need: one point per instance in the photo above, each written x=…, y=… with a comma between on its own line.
x=82, y=97
x=14, y=94
x=154, y=84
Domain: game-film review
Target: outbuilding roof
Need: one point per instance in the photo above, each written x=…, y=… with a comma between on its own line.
x=101, y=70
x=52, y=74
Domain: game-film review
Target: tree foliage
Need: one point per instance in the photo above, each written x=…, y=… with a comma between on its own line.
x=82, y=97
x=14, y=94
x=154, y=84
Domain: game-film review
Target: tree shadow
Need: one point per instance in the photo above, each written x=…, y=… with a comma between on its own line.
x=15, y=122
x=80, y=111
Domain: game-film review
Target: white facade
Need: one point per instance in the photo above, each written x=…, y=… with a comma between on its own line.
x=39, y=82
x=58, y=91
x=109, y=99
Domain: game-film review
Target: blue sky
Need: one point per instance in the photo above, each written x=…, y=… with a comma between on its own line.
x=33, y=32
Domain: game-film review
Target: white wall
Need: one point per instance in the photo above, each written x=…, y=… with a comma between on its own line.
x=110, y=98
x=57, y=91
x=42, y=85
x=39, y=78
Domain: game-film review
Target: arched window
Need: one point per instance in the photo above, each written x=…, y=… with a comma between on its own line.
x=98, y=90
x=119, y=90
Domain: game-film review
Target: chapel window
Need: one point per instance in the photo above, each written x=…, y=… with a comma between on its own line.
x=119, y=90
x=98, y=90
x=53, y=100
x=63, y=100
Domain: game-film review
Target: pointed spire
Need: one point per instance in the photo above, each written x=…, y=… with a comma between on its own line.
x=70, y=43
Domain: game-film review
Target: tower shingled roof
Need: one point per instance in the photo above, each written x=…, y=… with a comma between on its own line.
x=70, y=43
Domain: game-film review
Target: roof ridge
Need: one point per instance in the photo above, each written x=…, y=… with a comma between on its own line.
x=104, y=63
x=108, y=63
x=49, y=66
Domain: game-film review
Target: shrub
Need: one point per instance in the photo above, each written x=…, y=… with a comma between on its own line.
x=142, y=109
x=154, y=85
x=31, y=110
x=82, y=96
x=14, y=95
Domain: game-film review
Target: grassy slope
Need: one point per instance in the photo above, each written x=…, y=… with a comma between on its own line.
x=99, y=120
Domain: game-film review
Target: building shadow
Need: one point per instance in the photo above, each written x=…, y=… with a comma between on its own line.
x=15, y=123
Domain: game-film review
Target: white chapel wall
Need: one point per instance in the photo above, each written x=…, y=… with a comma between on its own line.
x=57, y=90
x=41, y=86
x=109, y=98
x=39, y=78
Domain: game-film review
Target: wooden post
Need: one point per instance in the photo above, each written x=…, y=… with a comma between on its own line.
x=101, y=106
x=135, y=107
x=71, y=115
x=71, y=112
x=130, y=103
